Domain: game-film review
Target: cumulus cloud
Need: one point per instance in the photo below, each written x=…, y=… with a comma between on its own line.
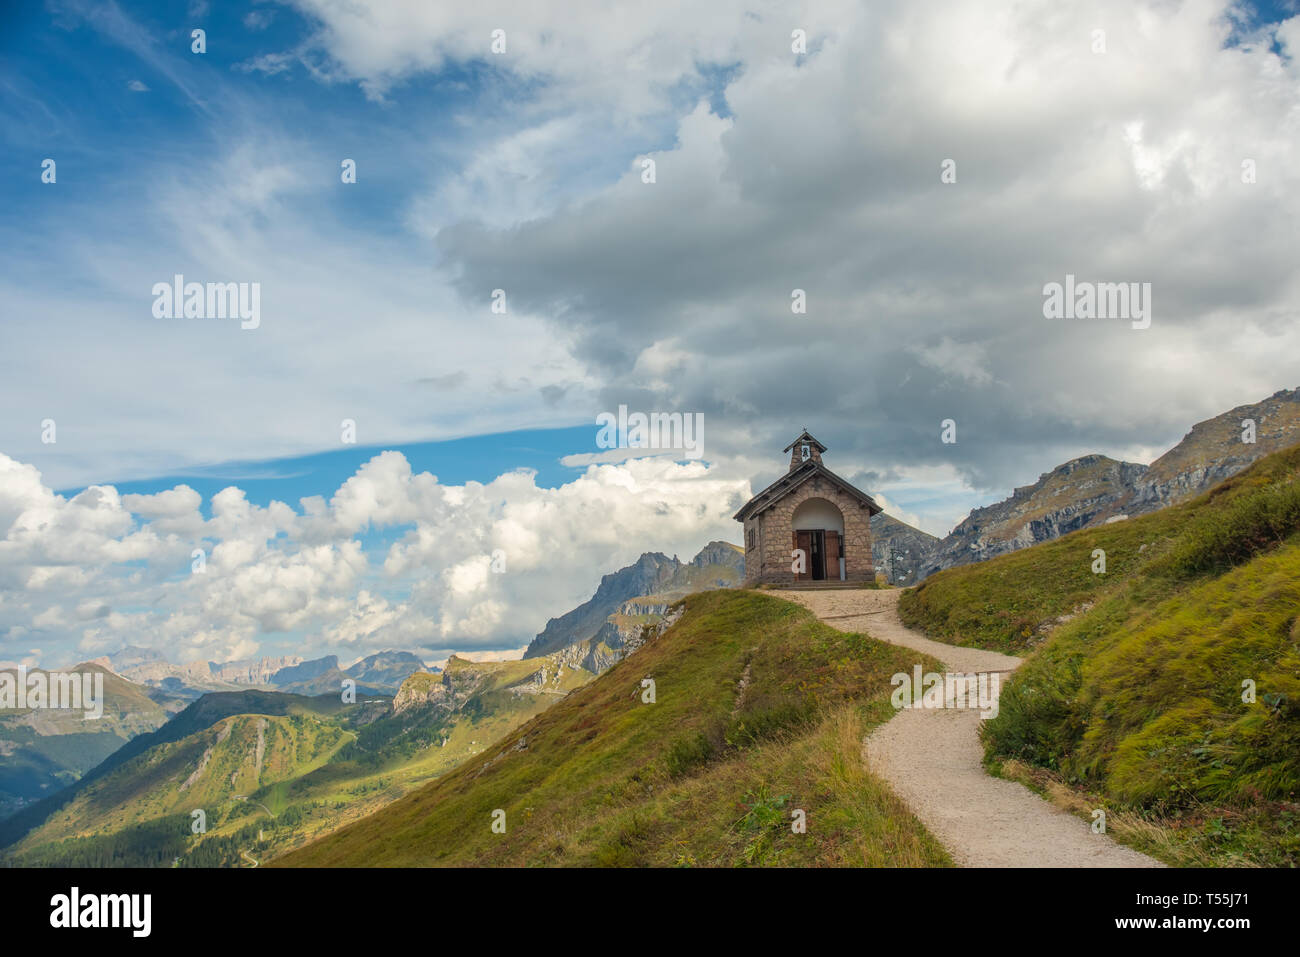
x=630, y=56
x=821, y=172
x=457, y=567
x=925, y=297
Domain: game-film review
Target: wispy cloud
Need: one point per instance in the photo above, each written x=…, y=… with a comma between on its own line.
x=109, y=20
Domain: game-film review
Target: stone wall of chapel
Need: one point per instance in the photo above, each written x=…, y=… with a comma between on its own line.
x=769, y=541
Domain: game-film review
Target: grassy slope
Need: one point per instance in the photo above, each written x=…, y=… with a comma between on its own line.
x=1137, y=698
x=45, y=749
x=348, y=789
x=198, y=716
x=760, y=710
x=238, y=755
x=323, y=764
x=1008, y=603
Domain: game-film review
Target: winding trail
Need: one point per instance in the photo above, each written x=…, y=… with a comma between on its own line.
x=932, y=759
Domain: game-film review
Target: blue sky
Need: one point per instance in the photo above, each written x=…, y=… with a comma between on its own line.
x=523, y=171
x=478, y=458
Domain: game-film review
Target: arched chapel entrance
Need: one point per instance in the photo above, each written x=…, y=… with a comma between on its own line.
x=818, y=527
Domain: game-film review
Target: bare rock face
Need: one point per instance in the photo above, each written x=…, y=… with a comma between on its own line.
x=1082, y=492
x=653, y=581
x=1216, y=449
x=600, y=657
x=1093, y=489
x=623, y=634
x=256, y=671
x=898, y=550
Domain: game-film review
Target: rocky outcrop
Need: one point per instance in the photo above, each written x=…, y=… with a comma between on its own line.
x=719, y=555
x=898, y=550
x=1082, y=492
x=1093, y=489
x=653, y=579
x=254, y=671
x=645, y=605
x=1215, y=450
x=621, y=636
x=448, y=690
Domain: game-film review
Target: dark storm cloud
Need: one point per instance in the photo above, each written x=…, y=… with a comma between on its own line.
x=925, y=299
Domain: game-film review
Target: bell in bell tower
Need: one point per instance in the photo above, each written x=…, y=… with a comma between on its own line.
x=804, y=449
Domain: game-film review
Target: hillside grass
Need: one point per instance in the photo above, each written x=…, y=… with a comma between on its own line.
x=1172, y=688
x=1008, y=603
x=759, y=712
x=240, y=755
x=314, y=766
x=45, y=749
x=194, y=719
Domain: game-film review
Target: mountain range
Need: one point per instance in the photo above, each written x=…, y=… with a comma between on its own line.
x=380, y=673
x=629, y=597
x=274, y=733
x=45, y=749
x=1094, y=489
x=271, y=770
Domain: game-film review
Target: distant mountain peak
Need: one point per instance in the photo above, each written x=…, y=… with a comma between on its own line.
x=653, y=573
x=1093, y=489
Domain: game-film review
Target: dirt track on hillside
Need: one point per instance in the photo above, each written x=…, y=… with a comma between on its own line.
x=932, y=759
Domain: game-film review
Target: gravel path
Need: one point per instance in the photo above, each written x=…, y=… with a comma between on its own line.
x=932, y=759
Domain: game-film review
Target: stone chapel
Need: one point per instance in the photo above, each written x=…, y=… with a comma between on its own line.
x=810, y=525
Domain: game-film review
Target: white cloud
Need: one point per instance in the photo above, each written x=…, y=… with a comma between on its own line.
x=480, y=565
x=821, y=173
x=627, y=55
x=924, y=297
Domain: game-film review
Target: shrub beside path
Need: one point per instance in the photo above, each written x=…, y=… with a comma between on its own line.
x=933, y=759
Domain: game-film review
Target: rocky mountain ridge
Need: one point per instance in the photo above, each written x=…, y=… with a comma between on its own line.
x=45, y=749
x=653, y=581
x=897, y=549
x=462, y=680
x=255, y=671
x=379, y=673
x=1094, y=489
